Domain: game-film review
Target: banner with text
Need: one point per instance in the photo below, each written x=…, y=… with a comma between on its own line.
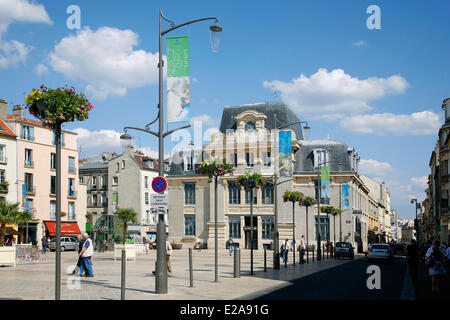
x=178, y=82
x=285, y=153
x=325, y=181
x=345, y=196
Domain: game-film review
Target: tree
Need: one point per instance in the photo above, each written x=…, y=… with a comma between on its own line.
x=334, y=212
x=21, y=218
x=7, y=213
x=307, y=202
x=126, y=216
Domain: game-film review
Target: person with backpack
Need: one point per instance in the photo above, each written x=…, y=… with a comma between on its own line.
x=435, y=263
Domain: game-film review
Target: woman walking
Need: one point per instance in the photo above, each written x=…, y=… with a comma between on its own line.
x=435, y=262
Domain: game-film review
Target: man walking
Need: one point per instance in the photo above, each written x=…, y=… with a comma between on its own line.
x=285, y=250
x=302, y=249
x=168, y=254
x=80, y=247
x=230, y=245
x=86, y=256
x=412, y=256
x=44, y=242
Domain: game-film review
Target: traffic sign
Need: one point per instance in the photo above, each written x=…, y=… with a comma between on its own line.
x=159, y=201
x=159, y=184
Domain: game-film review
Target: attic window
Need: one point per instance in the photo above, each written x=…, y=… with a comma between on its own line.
x=149, y=163
x=250, y=126
x=320, y=157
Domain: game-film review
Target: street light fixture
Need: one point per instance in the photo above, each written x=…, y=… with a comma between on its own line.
x=416, y=221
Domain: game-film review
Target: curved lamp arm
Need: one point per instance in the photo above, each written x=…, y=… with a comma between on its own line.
x=173, y=26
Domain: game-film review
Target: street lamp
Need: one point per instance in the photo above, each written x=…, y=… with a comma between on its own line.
x=161, y=264
x=276, y=249
x=416, y=221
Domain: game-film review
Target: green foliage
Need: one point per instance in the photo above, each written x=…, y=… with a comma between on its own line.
x=307, y=202
x=8, y=213
x=212, y=168
x=55, y=106
x=293, y=196
x=330, y=210
x=125, y=216
x=250, y=181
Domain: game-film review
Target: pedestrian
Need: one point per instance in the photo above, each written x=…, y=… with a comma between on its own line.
x=285, y=250
x=198, y=244
x=80, y=247
x=302, y=249
x=447, y=254
x=146, y=245
x=44, y=242
x=412, y=256
x=86, y=256
x=435, y=264
x=168, y=254
x=230, y=246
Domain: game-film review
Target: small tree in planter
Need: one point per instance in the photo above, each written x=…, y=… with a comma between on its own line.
x=21, y=218
x=307, y=202
x=126, y=216
x=7, y=213
x=249, y=182
x=214, y=170
x=293, y=196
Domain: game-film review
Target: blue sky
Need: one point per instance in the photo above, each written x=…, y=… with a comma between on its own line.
x=380, y=91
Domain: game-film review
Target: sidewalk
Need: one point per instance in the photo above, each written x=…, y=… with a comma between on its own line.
x=36, y=281
x=423, y=286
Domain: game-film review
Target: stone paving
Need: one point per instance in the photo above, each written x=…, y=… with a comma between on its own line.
x=35, y=281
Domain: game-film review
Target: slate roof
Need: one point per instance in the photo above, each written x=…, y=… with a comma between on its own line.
x=283, y=114
x=93, y=165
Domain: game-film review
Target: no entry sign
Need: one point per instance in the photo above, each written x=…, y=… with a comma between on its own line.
x=159, y=184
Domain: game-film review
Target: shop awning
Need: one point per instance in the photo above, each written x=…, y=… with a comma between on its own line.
x=67, y=228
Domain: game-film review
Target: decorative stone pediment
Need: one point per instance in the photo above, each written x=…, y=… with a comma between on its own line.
x=251, y=116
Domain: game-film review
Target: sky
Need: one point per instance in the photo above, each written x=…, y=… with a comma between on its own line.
x=379, y=90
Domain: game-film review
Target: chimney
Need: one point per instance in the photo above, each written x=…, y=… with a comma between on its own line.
x=18, y=111
x=3, y=109
x=446, y=106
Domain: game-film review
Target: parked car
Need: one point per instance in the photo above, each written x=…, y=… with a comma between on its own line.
x=67, y=243
x=380, y=251
x=344, y=249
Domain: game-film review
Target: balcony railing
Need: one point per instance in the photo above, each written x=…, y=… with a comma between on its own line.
x=72, y=170
x=31, y=190
x=27, y=137
x=71, y=194
x=3, y=160
x=29, y=164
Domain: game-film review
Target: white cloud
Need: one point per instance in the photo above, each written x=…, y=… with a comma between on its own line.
x=374, y=169
x=195, y=80
x=419, y=123
x=359, y=43
x=98, y=139
x=420, y=181
x=41, y=69
x=330, y=95
x=13, y=52
x=105, y=60
x=205, y=119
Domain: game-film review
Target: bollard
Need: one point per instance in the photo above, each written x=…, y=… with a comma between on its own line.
x=328, y=252
x=323, y=252
x=265, y=259
x=122, y=283
x=313, y=255
x=237, y=263
x=191, y=272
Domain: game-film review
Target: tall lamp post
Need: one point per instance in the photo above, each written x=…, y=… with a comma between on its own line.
x=276, y=240
x=161, y=267
x=416, y=221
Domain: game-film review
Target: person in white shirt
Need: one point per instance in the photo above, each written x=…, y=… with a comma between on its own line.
x=86, y=256
x=302, y=249
x=285, y=247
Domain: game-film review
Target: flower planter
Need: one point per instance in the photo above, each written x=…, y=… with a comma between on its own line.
x=8, y=256
x=130, y=250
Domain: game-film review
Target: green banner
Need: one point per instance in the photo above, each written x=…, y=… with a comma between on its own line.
x=178, y=82
x=325, y=181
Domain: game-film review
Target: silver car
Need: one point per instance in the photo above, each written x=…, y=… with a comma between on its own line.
x=67, y=243
x=380, y=251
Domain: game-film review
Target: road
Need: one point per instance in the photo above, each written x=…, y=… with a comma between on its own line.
x=346, y=282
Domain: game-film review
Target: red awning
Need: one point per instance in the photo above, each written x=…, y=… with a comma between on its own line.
x=67, y=228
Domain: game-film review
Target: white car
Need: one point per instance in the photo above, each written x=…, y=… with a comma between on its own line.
x=380, y=251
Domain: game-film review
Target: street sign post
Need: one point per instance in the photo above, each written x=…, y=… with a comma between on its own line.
x=159, y=184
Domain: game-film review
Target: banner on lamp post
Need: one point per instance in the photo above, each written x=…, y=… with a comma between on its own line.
x=345, y=196
x=285, y=153
x=178, y=82
x=325, y=181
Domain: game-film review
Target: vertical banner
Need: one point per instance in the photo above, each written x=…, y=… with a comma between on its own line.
x=325, y=181
x=178, y=83
x=345, y=197
x=285, y=153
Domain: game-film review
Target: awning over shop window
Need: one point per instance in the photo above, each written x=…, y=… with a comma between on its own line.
x=67, y=228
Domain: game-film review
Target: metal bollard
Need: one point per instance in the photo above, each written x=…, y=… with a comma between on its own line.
x=122, y=282
x=237, y=263
x=323, y=252
x=313, y=255
x=265, y=259
x=328, y=252
x=191, y=272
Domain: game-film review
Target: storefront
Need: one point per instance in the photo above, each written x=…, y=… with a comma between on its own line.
x=68, y=229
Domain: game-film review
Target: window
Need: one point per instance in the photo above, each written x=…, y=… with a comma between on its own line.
x=105, y=182
x=234, y=193
x=71, y=210
x=320, y=157
x=71, y=189
x=52, y=185
x=233, y=159
x=123, y=164
x=118, y=166
x=234, y=224
x=94, y=181
x=146, y=198
x=71, y=164
x=166, y=166
x=115, y=197
x=28, y=157
x=2, y=153
x=268, y=226
x=249, y=159
x=247, y=196
x=322, y=199
x=29, y=205
x=146, y=182
x=267, y=193
x=189, y=225
x=324, y=228
x=52, y=209
x=29, y=182
x=2, y=175
x=26, y=132
x=115, y=180
x=189, y=163
x=104, y=200
x=94, y=200
x=81, y=179
x=266, y=159
x=53, y=161
x=250, y=126
x=189, y=193
x=62, y=139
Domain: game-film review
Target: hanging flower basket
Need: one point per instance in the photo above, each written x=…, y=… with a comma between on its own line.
x=56, y=106
x=250, y=181
x=307, y=202
x=293, y=196
x=212, y=168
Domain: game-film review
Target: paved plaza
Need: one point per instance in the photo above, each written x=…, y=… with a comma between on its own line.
x=35, y=281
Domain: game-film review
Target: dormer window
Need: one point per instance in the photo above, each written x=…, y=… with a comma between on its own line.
x=320, y=157
x=250, y=126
